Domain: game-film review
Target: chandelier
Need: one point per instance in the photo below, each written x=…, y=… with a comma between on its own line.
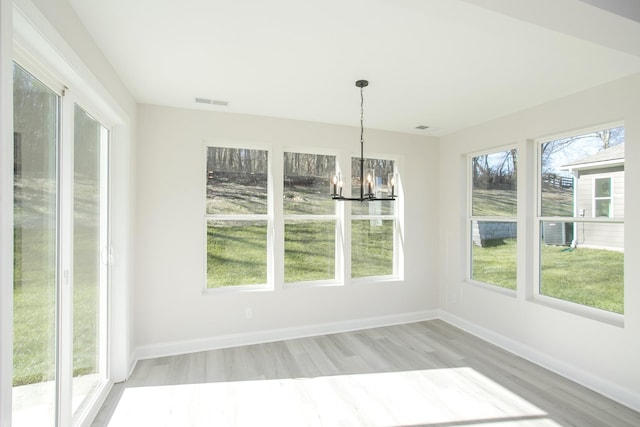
x=369, y=188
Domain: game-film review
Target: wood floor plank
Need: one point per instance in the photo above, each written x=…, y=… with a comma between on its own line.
x=425, y=373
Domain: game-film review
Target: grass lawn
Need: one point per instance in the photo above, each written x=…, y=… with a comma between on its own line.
x=34, y=299
x=555, y=202
x=371, y=248
x=237, y=250
x=237, y=253
x=309, y=251
x=495, y=263
x=494, y=202
x=591, y=277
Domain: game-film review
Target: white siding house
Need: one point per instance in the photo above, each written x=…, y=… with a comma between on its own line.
x=599, y=192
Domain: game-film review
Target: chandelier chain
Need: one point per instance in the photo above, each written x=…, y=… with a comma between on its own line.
x=361, y=115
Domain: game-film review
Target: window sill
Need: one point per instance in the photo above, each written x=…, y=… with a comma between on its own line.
x=312, y=284
x=237, y=289
x=375, y=279
x=591, y=313
x=493, y=288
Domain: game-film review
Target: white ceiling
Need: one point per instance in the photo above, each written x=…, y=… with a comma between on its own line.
x=447, y=64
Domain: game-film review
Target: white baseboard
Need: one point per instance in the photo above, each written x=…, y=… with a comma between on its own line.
x=258, y=337
x=627, y=397
x=133, y=360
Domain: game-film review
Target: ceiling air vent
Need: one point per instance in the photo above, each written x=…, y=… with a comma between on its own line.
x=211, y=101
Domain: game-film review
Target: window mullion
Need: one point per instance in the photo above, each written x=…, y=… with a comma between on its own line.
x=275, y=236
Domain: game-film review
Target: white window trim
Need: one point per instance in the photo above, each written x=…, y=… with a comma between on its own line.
x=335, y=217
x=336, y=281
x=6, y=212
x=268, y=217
x=533, y=294
x=397, y=216
x=276, y=220
x=470, y=218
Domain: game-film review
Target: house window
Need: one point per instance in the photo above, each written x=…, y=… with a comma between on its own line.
x=236, y=216
x=310, y=219
x=580, y=219
x=492, y=218
x=602, y=197
x=373, y=224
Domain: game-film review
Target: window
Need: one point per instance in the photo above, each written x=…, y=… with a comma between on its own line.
x=310, y=218
x=580, y=219
x=236, y=216
x=492, y=219
x=373, y=225
x=602, y=197
x=243, y=225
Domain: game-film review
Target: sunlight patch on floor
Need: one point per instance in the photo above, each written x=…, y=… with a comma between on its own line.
x=457, y=396
x=34, y=404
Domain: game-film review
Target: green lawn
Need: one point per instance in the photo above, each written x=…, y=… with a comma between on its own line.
x=555, y=202
x=237, y=253
x=495, y=263
x=591, y=277
x=237, y=250
x=309, y=251
x=494, y=202
x=34, y=311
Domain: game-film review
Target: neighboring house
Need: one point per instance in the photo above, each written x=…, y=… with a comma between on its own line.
x=599, y=192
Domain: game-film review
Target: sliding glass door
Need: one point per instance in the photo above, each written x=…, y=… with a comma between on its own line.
x=90, y=257
x=60, y=255
x=36, y=141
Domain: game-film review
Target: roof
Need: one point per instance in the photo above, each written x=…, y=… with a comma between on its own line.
x=611, y=156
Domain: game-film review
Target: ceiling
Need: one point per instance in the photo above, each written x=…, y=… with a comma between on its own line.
x=446, y=64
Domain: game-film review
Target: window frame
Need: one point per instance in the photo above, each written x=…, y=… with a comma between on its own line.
x=470, y=218
x=534, y=294
x=397, y=216
x=276, y=220
x=268, y=217
x=596, y=198
x=335, y=217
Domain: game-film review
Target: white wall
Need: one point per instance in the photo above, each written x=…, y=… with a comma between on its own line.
x=172, y=313
x=598, y=354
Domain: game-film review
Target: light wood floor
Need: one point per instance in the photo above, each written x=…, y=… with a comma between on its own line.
x=420, y=374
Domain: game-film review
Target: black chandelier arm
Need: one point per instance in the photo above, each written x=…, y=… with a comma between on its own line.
x=362, y=199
